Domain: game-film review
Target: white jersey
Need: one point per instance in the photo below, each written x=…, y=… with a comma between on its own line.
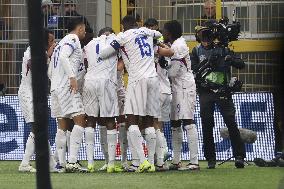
x=26, y=81
x=66, y=61
x=137, y=47
x=165, y=85
x=98, y=68
x=180, y=67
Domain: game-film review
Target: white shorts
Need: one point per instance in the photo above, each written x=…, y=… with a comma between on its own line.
x=165, y=102
x=26, y=104
x=142, y=98
x=65, y=104
x=121, y=99
x=100, y=98
x=183, y=105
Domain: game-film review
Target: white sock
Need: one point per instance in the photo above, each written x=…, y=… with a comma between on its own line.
x=122, y=137
x=192, y=140
x=103, y=141
x=135, y=159
x=52, y=162
x=165, y=144
x=60, y=141
x=160, y=147
x=111, y=141
x=90, y=142
x=150, y=136
x=30, y=149
x=177, y=144
x=137, y=139
x=68, y=134
x=55, y=156
x=75, y=142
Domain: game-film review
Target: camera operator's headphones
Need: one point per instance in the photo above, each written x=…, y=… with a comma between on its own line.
x=203, y=34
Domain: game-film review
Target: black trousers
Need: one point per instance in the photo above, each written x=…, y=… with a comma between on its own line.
x=227, y=109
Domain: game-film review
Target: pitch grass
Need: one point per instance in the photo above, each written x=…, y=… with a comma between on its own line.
x=223, y=177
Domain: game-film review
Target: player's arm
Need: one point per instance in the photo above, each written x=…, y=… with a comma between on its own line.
x=165, y=51
x=65, y=53
x=120, y=65
x=113, y=47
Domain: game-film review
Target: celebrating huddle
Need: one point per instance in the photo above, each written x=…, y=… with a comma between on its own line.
x=87, y=90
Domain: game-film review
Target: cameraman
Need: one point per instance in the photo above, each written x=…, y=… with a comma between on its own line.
x=211, y=65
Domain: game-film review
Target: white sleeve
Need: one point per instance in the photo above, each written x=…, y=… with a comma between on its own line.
x=65, y=53
x=180, y=51
x=153, y=33
x=113, y=47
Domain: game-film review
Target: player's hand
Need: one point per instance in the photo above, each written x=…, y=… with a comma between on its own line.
x=73, y=85
x=50, y=50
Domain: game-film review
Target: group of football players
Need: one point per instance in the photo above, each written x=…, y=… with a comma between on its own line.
x=87, y=90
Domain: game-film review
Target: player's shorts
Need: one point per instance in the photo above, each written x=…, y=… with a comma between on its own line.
x=183, y=105
x=66, y=104
x=26, y=104
x=100, y=98
x=165, y=102
x=121, y=99
x=142, y=97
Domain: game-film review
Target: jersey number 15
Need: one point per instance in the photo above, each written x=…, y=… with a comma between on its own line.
x=144, y=47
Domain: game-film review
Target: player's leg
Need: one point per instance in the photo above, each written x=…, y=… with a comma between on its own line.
x=91, y=107
x=103, y=141
x=161, y=143
x=121, y=121
x=29, y=151
x=60, y=140
x=90, y=141
x=177, y=135
x=187, y=111
x=71, y=106
x=111, y=143
x=150, y=137
x=192, y=141
x=26, y=104
x=122, y=138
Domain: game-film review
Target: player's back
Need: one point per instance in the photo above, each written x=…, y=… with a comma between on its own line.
x=58, y=76
x=137, y=46
x=26, y=81
x=181, y=73
x=98, y=68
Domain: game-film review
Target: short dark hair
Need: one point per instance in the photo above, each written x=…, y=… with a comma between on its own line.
x=128, y=22
x=46, y=33
x=174, y=28
x=150, y=22
x=106, y=29
x=74, y=22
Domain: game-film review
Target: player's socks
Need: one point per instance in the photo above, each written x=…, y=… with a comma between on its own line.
x=160, y=147
x=135, y=159
x=192, y=140
x=30, y=149
x=90, y=142
x=68, y=134
x=123, y=142
x=111, y=141
x=60, y=141
x=75, y=142
x=103, y=141
x=136, y=139
x=52, y=162
x=177, y=143
x=150, y=137
x=56, y=155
